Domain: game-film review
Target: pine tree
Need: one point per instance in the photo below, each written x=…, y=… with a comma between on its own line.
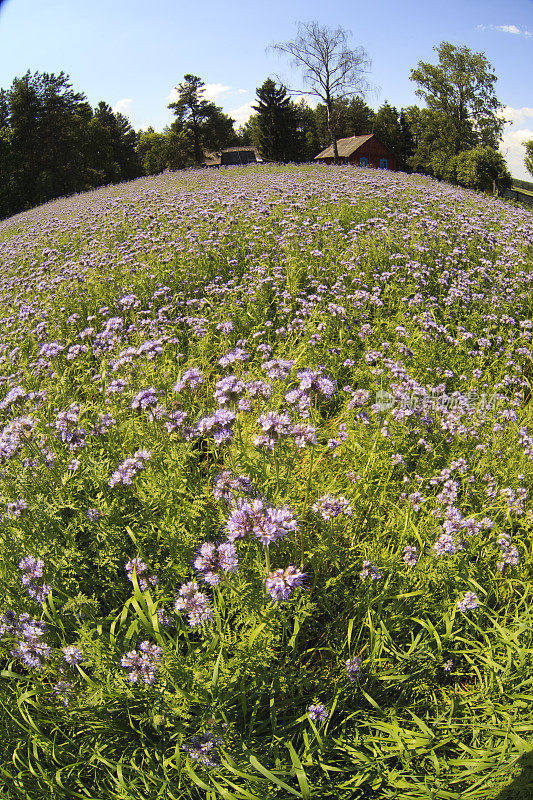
x=279, y=136
x=208, y=126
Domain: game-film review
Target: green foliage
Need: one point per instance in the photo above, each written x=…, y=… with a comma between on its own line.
x=53, y=144
x=528, y=161
x=160, y=151
x=394, y=131
x=209, y=127
x=461, y=87
x=483, y=169
x=350, y=117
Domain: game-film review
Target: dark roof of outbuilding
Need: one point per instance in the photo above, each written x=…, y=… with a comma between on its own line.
x=232, y=155
x=345, y=147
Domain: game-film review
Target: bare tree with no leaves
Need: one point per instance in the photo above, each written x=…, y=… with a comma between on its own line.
x=331, y=70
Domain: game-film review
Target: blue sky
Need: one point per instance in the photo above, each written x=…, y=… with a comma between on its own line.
x=132, y=53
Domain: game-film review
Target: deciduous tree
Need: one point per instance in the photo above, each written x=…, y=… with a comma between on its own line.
x=331, y=70
x=461, y=87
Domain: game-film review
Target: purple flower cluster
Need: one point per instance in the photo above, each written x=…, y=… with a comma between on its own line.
x=145, y=399
x=194, y=603
x=370, y=571
x=32, y=578
x=226, y=485
x=509, y=552
x=191, y=378
x=267, y=523
x=15, y=394
x=219, y=425
x=353, y=667
x=469, y=602
x=329, y=507
x=213, y=560
x=14, y=435
x=447, y=545
x=66, y=423
x=228, y=390
x=126, y=471
x=318, y=712
x=410, y=555
x=144, y=579
x=278, y=368
x=31, y=649
x=281, y=582
x=72, y=655
x=143, y=663
x=274, y=427
x=237, y=354
x=204, y=748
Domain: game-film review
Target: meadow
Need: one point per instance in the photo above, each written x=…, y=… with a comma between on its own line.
x=266, y=458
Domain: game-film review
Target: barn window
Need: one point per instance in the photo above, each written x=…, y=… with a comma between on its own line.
x=363, y=161
x=346, y=161
x=383, y=163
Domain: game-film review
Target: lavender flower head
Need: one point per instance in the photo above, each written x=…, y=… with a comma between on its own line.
x=268, y=524
x=370, y=571
x=142, y=663
x=214, y=560
x=280, y=583
x=329, y=507
x=72, y=655
x=318, y=712
x=195, y=603
x=274, y=426
x=191, y=378
x=226, y=485
x=126, y=471
x=32, y=578
x=30, y=649
x=145, y=398
x=410, y=555
x=509, y=552
x=204, y=748
x=144, y=579
x=470, y=602
x=353, y=667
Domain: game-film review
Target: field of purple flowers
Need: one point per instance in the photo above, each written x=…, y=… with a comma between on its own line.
x=266, y=458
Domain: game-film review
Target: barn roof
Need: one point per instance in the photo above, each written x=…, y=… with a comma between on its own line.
x=345, y=147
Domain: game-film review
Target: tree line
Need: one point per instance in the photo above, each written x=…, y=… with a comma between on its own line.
x=53, y=143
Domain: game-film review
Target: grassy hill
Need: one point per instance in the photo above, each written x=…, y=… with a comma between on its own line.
x=266, y=451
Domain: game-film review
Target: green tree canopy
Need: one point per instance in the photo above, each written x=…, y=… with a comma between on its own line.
x=208, y=125
x=461, y=87
x=483, y=169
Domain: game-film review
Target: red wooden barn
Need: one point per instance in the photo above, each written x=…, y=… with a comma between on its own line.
x=363, y=151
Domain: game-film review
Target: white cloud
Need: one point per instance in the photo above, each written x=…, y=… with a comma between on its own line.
x=214, y=90
x=508, y=29
x=211, y=92
x=122, y=106
x=242, y=91
x=242, y=114
x=516, y=115
x=514, y=151
x=513, y=29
